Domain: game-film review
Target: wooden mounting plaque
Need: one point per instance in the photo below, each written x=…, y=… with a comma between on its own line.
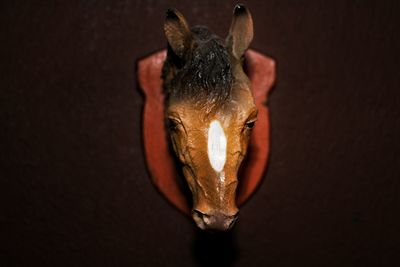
x=160, y=159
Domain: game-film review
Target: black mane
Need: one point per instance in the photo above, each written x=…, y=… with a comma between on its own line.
x=207, y=73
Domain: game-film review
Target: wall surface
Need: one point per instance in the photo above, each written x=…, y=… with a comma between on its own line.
x=74, y=189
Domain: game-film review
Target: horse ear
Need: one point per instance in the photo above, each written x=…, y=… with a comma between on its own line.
x=241, y=31
x=177, y=32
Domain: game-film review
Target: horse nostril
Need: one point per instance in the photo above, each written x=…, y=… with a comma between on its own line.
x=233, y=220
x=201, y=219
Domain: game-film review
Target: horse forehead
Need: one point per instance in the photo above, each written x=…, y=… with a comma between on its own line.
x=235, y=109
x=227, y=118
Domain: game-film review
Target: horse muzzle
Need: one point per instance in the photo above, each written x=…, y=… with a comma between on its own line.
x=216, y=221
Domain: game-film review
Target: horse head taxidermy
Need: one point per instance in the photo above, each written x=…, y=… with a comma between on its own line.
x=210, y=112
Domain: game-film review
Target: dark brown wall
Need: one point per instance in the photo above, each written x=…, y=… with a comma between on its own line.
x=74, y=190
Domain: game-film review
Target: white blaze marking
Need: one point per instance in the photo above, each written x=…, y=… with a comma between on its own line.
x=222, y=177
x=216, y=146
x=221, y=187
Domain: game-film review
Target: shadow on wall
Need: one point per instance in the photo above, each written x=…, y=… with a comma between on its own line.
x=215, y=249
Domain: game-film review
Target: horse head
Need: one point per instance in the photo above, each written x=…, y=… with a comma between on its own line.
x=210, y=112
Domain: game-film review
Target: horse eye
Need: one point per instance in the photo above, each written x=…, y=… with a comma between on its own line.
x=250, y=124
x=173, y=124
